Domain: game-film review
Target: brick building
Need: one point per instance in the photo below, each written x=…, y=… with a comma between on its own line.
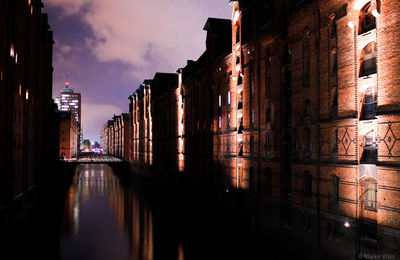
x=28, y=130
x=295, y=104
x=69, y=135
x=115, y=136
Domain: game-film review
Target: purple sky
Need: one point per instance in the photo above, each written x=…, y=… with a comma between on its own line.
x=107, y=47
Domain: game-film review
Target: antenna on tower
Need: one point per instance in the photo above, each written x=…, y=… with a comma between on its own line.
x=67, y=81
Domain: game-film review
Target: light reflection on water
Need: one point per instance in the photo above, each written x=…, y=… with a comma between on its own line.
x=104, y=219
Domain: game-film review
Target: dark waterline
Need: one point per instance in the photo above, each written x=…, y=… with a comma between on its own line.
x=105, y=216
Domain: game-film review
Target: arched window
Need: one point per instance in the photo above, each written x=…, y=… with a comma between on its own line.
x=269, y=143
x=369, y=104
x=307, y=139
x=367, y=20
x=368, y=60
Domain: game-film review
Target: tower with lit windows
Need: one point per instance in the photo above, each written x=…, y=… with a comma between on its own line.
x=71, y=101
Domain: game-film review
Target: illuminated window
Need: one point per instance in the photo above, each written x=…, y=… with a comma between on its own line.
x=229, y=121
x=229, y=97
x=16, y=58
x=27, y=94
x=219, y=101
x=366, y=20
x=219, y=122
x=371, y=194
x=20, y=90
x=240, y=100
x=12, y=50
x=252, y=116
x=368, y=60
x=236, y=18
x=369, y=104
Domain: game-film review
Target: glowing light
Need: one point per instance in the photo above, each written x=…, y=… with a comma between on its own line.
x=234, y=78
x=12, y=51
x=67, y=83
x=238, y=67
x=347, y=224
x=236, y=17
x=240, y=115
x=237, y=47
x=240, y=138
x=350, y=25
x=27, y=94
x=16, y=58
x=375, y=13
x=229, y=97
x=20, y=90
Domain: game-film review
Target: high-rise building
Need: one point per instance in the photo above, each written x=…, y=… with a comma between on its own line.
x=71, y=101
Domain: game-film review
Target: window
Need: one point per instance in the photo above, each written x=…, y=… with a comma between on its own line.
x=238, y=34
x=229, y=121
x=251, y=144
x=252, y=117
x=267, y=73
x=229, y=97
x=268, y=116
x=334, y=107
x=334, y=67
x=333, y=27
x=307, y=184
x=335, y=189
x=368, y=60
x=369, y=104
x=307, y=138
x=27, y=94
x=219, y=122
x=370, y=194
x=307, y=109
x=307, y=76
x=12, y=50
x=240, y=100
x=335, y=141
x=269, y=143
x=366, y=20
x=219, y=101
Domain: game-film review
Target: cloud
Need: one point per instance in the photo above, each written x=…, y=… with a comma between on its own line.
x=148, y=35
x=94, y=116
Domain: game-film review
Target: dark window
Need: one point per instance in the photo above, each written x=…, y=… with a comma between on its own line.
x=335, y=189
x=268, y=116
x=334, y=64
x=307, y=109
x=269, y=143
x=334, y=108
x=335, y=141
x=307, y=184
x=367, y=20
x=333, y=27
x=251, y=144
x=368, y=60
x=307, y=138
x=238, y=34
x=307, y=76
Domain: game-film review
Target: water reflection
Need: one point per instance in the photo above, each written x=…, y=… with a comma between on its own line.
x=104, y=219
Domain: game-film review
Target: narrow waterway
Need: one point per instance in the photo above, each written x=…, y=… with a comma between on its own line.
x=109, y=217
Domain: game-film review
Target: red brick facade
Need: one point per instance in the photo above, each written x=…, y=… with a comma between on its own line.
x=297, y=106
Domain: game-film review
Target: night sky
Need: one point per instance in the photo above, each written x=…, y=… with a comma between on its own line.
x=107, y=47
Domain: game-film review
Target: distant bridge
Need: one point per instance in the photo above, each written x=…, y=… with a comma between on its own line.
x=98, y=158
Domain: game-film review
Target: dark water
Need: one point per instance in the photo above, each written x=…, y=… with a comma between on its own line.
x=109, y=217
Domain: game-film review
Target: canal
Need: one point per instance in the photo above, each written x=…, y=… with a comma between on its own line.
x=104, y=215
